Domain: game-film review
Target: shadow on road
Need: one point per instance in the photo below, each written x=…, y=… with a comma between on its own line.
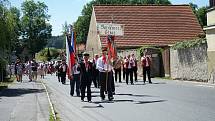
x=98, y=106
x=136, y=95
x=159, y=83
x=123, y=100
x=19, y=92
x=146, y=102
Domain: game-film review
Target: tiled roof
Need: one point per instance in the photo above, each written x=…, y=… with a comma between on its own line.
x=150, y=24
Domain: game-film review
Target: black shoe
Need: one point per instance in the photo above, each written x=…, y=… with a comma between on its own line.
x=82, y=100
x=111, y=98
x=89, y=101
x=150, y=82
x=102, y=99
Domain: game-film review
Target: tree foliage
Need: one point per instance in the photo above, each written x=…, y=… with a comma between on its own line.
x=201, y=14
x=9, y=28
x=35, y=27
x=83, y=22
x=9, y=32
x=43, y=55
x=189, y=43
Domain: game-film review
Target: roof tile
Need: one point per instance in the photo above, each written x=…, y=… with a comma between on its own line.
x=150, y=24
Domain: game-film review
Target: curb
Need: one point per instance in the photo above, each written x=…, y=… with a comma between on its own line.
x=192, y=82
x=50, y=103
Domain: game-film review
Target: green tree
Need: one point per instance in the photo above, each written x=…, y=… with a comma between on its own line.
x=9, y=32
x=9, y=28
x=35, y=27
x=83, y=21
x=47, y=54
x=201, y=14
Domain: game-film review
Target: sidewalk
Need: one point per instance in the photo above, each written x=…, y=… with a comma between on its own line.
x=26, y=101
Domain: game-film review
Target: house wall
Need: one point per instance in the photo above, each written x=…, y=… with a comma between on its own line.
x=93, y=45
x=210, y=35
x=189, y=64
x=156, y=68
x=211, y=17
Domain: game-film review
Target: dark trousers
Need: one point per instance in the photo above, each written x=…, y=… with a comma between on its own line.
x=118, y=72
x=129, y=72
x=146, y=70
x=86, y=84
x=75, y=83
x=135, y=73
x=58, y=76
x=95, y=79
x=124, y=72
x=106, y=84
x=63, y=77
x=112, y=83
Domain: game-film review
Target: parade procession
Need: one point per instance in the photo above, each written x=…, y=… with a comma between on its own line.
x=107, y=60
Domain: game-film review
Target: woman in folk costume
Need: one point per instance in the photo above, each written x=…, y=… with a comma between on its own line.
x=146, y=64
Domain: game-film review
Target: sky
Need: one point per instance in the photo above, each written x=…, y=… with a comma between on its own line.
x=62, y=11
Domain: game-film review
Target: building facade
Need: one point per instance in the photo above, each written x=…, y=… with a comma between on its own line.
x=144, y=25
x=210, y=35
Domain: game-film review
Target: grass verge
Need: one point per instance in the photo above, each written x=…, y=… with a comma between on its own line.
x=6, y=82
x=167, y=78
x=51, y=117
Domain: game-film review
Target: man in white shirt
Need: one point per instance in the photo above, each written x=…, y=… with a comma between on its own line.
x=95, y=78
x=129, y=64
x=134, y=68
x=105, y=75
x=146, y=64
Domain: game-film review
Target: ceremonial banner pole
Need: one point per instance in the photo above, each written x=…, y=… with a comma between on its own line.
x=110, y=30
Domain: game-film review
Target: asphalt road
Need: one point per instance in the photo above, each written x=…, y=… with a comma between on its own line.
x=26, y=101
x=161, y=101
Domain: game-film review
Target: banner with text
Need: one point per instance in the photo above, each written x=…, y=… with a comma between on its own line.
x=110, y=29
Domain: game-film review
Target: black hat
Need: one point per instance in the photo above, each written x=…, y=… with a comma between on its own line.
x=86, y=54
x=104, y=49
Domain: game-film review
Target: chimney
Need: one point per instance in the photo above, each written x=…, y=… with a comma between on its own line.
x=212, y=3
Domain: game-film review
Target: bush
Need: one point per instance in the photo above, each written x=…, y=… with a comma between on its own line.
x=43, y=54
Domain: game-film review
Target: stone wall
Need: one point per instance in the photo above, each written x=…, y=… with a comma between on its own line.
x=189, y=64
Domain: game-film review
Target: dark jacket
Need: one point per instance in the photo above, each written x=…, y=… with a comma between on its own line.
x=86, y=75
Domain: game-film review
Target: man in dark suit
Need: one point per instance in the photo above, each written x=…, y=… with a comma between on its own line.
x=86, y=68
